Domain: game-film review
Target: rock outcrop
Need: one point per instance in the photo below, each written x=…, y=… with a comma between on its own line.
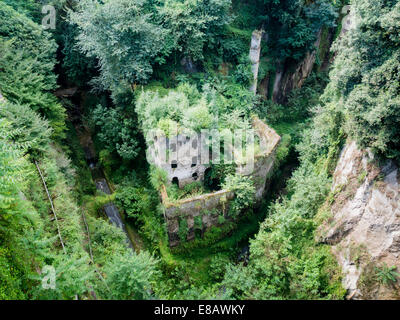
x=255, y=50
x=287, y=80
x=364, y=223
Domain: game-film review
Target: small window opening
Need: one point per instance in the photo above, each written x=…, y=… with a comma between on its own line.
x=175, y=181
x=194, y=162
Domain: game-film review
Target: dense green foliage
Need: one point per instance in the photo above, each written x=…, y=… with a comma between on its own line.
x=28, y=232
x=123, y=37
x=294, y=24
x=35, y=136
x=13, y=216
x=194, y=26
x=27, y=59
x=364, y=81
x=185, y=108
x=285, y=261
x=118, y=133
x=129, y=38
x=244, y=192
x=130, y=276
x=175, y=64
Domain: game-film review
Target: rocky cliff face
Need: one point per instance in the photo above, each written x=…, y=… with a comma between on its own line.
x=289, y=76
x=363, y=224
x=287, y=80
x=255, y=50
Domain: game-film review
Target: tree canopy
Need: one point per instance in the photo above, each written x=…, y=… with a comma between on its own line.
x=27, y=61
x=122, y=35
x=364, y=79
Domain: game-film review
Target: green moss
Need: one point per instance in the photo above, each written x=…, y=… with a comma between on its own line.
x=183, y=229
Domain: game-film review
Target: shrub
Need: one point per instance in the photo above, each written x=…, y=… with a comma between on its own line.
x=133, y=200
x=243, y=73
x=244, y=190
x=158, y=177
x=387, y=275
x=183, y=229
x=34, y=133
x=217, y=267
x=131, y=276
x=364, y=81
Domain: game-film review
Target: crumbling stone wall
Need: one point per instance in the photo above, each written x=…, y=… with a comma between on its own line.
x=263, y=162
x=207, y=207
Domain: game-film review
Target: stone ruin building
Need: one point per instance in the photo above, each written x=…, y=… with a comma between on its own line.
x=186, y=166
x=184, y=163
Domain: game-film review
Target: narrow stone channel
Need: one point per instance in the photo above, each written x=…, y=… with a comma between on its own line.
x=110, y=209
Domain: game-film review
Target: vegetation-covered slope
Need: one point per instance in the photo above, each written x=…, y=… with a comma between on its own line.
x=361, y=102
x=115, y=54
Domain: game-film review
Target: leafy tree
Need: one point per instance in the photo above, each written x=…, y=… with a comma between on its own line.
x=116, y=132
x=27, y=59
x=131, y=276
x=73, y=278
x=218, y=267
x=34, y=132
x=292, y=25
x=364, y=79
x=195, y=25
x=79, y=68
x=29, y=8
x=238, y=280
x=243, y=73
x=122, y=35
x=31, y=38
x=244, y=190
x=134, y=200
